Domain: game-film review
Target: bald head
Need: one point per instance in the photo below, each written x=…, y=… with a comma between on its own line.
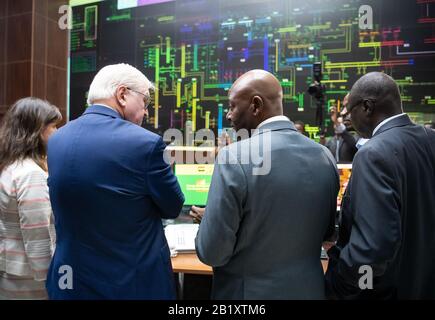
x=373, y=98
x=380, y=87
x=261, y=83
x=254, y=97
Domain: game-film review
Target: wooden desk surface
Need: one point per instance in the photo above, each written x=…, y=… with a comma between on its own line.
x=189, y=263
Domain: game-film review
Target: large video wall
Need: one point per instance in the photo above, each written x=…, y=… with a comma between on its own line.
x=194, y=49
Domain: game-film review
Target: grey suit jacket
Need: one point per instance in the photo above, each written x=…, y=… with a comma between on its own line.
x=263, y=233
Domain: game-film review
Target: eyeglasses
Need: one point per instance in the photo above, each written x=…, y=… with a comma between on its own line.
x=146, y=97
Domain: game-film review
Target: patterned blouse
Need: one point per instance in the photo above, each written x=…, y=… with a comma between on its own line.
x=27, y=236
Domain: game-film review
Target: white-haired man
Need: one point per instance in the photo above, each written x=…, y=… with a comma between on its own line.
x=109, y=188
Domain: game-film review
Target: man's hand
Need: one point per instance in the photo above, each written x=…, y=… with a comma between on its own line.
x=337, y=120
x=197, y=213
x=328, y=245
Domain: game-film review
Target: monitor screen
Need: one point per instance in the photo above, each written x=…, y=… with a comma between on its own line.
x=344, y=171
x=194, y=180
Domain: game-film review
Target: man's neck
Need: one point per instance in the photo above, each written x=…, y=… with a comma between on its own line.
x=108, y=104
x=272, y=119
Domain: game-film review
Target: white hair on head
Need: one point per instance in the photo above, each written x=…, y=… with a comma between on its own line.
x=109, y=78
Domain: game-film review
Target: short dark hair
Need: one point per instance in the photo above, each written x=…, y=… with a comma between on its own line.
x=21, y=129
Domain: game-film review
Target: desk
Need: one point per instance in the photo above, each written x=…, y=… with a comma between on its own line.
x=189, y=263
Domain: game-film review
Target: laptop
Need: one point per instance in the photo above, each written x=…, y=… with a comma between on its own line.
x=194, y=180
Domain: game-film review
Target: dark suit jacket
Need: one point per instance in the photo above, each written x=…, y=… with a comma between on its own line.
x=263, y=233
x=109, y=189
x=388, y=217
x=347, y=146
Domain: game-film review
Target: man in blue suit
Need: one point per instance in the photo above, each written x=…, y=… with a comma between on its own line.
x=109, y=189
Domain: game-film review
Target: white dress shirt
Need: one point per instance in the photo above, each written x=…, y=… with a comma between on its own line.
x=273, y=119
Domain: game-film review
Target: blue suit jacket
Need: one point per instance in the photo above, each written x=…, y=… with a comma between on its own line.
x=109, y=189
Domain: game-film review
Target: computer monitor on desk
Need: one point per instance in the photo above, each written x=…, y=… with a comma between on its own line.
x=194, y=180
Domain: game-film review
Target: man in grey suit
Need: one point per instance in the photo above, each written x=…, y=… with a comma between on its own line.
x=386, y=245
x=266, y=218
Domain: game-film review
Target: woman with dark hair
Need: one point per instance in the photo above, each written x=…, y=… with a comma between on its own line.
x=27, y=236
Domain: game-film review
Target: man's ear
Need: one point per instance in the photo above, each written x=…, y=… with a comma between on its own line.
x=369, y=107
x=258, y=104
x=121, y=91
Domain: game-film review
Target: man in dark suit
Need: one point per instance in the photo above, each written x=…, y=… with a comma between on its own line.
x=109, y=189
x=386, y=241
x=271, y=202
x=343, y=145
x=300, y=127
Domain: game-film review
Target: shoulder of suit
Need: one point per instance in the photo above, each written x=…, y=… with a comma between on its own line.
x=231, y=152
x=232, y=148
x=236, y=147
x=138, y=130
x=373, y=151
x=139, y=137
x=135, y=136
x=387, y=140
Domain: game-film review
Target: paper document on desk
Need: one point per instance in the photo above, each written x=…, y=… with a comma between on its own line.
x=181, y=237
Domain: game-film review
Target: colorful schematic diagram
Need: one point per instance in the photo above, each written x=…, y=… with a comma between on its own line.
x=193, y=50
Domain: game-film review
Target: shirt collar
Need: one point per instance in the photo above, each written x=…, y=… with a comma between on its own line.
x=105, y=105
x=273, y=119
x=361, y=142
x=102, y=109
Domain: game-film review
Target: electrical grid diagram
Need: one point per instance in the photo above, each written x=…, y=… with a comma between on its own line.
x=193, y=50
